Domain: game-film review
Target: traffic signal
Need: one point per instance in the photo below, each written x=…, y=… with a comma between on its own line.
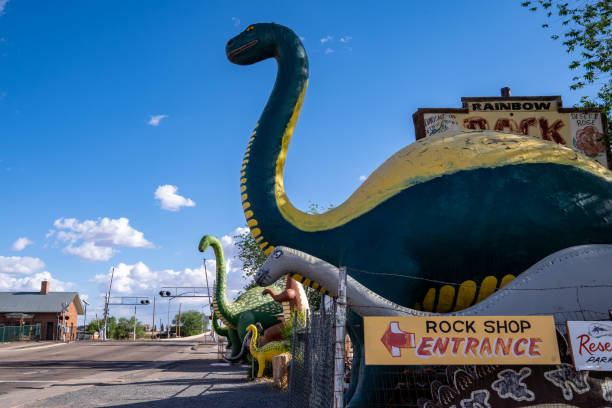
x=145, y=302
x=163, y=293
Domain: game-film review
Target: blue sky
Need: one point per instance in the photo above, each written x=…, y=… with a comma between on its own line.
x=103, y=104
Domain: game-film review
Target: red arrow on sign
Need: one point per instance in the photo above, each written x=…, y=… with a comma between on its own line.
x=395, y=339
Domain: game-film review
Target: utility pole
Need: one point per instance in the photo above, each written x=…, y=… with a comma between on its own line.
x=85, y=317
x=134, y=323
x=106, y=304
x=153, y=322
x=178, y=323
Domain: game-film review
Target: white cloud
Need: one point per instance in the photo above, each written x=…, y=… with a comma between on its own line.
x=2, y=6
x=155, y=119
x=20, y=265
x=326, y=39
x=346, y=38
x=362, y=178
x=140, y=280
x=236, y=21
x=329, y=50
x=89, y=251
x=170, y=200
x=94, y=240
x=20, y=244
x=32, y=283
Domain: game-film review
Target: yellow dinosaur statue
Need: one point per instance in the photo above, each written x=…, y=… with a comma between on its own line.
x=266, y=352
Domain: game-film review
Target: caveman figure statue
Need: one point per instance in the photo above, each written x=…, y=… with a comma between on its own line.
x=292, y=298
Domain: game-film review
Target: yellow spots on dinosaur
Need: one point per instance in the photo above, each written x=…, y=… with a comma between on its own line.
x=242, y=188
x=246, y=205
x=246, y=155
x=251, y=139
x=243, y=167
x=487, y=287
x=252, y=222
x=243, y=180
x=248, y=148
x=445, y=300
x=306, y=282
x=269, y=250
x=243, y=197
x=297, y=277
x=465, y=297
x=263, y=245
x=430, y=298
x=259, y=239
x=256, y=232
x=254, y=132
x=248, y=214
x=245, y=161
x=315, y=285
x=506, y=280
x=242, y=174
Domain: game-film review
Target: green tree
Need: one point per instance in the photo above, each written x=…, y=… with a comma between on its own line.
x=586, y=31
x=124, y=329
x=191, y=322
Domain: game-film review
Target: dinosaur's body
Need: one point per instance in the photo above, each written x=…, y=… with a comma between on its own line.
x=266, y=352
x=249, y=308
x=475, y=208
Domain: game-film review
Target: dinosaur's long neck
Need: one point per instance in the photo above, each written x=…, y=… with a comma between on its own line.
x=263, y=193
x=220, y=303
x=253, y=345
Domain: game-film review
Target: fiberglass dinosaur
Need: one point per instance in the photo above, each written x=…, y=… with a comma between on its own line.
x=249, y=308
x=474, y=207
x=266, y=352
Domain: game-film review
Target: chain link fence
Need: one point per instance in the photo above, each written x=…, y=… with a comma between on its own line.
x=311, y=377
x=27, y=332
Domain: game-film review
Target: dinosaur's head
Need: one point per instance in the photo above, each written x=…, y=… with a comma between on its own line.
x=251, y=328
x=258, y=42
x=270, y=271
x=206, y=241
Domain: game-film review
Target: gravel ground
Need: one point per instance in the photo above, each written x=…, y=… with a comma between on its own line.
x=196, y=382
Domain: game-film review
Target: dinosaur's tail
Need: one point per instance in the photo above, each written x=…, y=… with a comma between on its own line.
x=221, y=331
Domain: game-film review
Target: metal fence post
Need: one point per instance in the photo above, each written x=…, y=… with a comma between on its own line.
x=340, y=322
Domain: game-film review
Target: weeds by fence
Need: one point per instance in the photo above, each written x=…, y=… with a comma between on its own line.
x=311, y=378
x=27, y=332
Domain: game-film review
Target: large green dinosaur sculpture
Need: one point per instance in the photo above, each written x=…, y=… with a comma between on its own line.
x=249, y=308
x=474, y=207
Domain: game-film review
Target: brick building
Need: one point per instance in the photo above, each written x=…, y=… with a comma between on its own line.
x=44, y=307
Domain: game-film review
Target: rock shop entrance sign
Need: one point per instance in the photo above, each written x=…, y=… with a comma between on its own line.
x=452, y=340
x=538, y=116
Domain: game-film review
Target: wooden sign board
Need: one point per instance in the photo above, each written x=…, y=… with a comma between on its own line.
x=544, y=117
x=458, y=340
x=591, y=344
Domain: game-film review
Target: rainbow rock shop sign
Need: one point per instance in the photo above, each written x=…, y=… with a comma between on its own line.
x=452, y=340
x=538, y=116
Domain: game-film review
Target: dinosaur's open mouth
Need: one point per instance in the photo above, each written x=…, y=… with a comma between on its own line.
x=244, y=47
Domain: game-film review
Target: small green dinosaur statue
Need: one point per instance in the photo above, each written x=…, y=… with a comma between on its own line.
x=249, y=308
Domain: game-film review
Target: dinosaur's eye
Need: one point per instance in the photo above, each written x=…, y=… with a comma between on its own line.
x=249, y=28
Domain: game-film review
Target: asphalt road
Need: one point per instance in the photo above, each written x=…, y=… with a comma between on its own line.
x=128, y=374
